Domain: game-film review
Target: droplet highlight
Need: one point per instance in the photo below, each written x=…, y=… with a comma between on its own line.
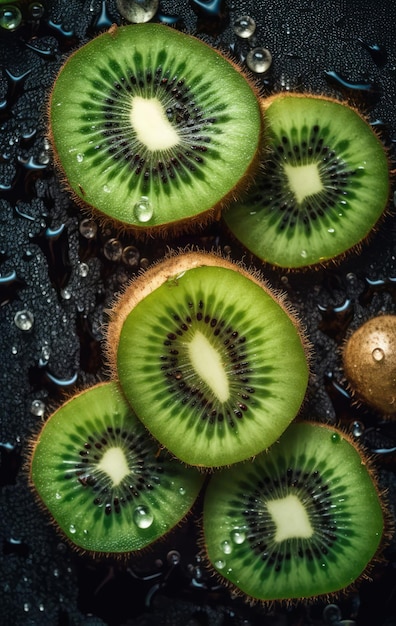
x=10, y=17
x=244, y=26
x=259, y=60
x=143, y=517
x=24, y=320
x=143, y=210
x=138, y=11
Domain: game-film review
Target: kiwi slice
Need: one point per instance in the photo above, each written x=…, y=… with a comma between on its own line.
x=324, y=185
x=304, y=519
x=104, y=481
x=152, y=127
x=212, y=362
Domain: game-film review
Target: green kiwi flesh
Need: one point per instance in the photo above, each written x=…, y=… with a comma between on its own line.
x=213, y=364
x=323, y=187
x=303, y=519
x=153, y=127
x=102, y=478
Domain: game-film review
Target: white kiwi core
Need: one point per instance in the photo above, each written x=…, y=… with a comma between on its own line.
x=152, y=127
x=304, y=180
x=114, y=464
x=290, y=518
x=208, y=365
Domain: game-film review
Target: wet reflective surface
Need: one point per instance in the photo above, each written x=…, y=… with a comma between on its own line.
x=60, y=269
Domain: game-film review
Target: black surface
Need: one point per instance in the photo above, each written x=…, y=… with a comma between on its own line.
x=42, y=581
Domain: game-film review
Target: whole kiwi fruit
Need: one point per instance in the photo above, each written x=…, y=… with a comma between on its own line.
x=323, y=187
x=153, y=128
x=304, y=519
x=212, y=361
x=107, y=486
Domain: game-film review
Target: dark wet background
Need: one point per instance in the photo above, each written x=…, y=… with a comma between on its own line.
x=62, y=270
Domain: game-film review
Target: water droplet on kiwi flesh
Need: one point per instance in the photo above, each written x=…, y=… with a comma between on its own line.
x=313, y=180
x=317, y=539
x=105, y=475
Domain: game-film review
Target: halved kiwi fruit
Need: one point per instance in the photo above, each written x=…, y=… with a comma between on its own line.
x=104, y=481
x=369, y=359
x=153, y=128
x=323, y=187
x=213, y=362
x=303, y=519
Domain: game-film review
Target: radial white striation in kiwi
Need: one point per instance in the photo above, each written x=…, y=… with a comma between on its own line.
x=103, y=479
x=154, y=128
x=211, y=360
x=304, y=519
x=323, y=187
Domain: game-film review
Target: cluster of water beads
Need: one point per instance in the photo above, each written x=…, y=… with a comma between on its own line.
x=137, y=11
x=258, y=59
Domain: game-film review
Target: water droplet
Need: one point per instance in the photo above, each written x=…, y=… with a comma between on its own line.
x=80, y=158
x=304, y=254
x=26, y=607
x=10, y=17
x=59, y=497
x=112, y=249
x=335, y=438
x=88, y=228
x=24, y=320
x=65, y=294
x=36, y=10
x=173, y=557
x=220, y=564
x=143, y=517
x=238, y=536
x=138, y=11
x=131, y=256
x=378, y=354
x=259, y=60
x=143, y=210
x=37, y=408
x=244, y=26
x=72, y=529
x=144, y=263
x=45, y=354
x=41, y=607
x=83, y=269
x=182, y=491
x=357, y=429
x=14, y=350
x=226, y=547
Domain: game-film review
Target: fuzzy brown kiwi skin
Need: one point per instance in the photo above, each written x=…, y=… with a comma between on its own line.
x=388, y=211
x=368, y=460
x=177, y=262
x=187, y=225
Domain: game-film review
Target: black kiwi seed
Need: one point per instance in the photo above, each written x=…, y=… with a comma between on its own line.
x=303, y=519
x=102, y=478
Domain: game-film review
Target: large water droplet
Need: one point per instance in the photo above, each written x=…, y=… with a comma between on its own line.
x=244, y=26
x=259, y=60
x=138, y=11
x=226, y=547
x=10, y=17
x=112, y=249
x=88, y=228
x=24, y=320
x=220, y=564
x=238, y=536
x=143, y=210
x=131, y=256
x=72, y=529
x=37, y=408
x=378, y=354
x=143, y=517
x=173, y=557
x=357, y=429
